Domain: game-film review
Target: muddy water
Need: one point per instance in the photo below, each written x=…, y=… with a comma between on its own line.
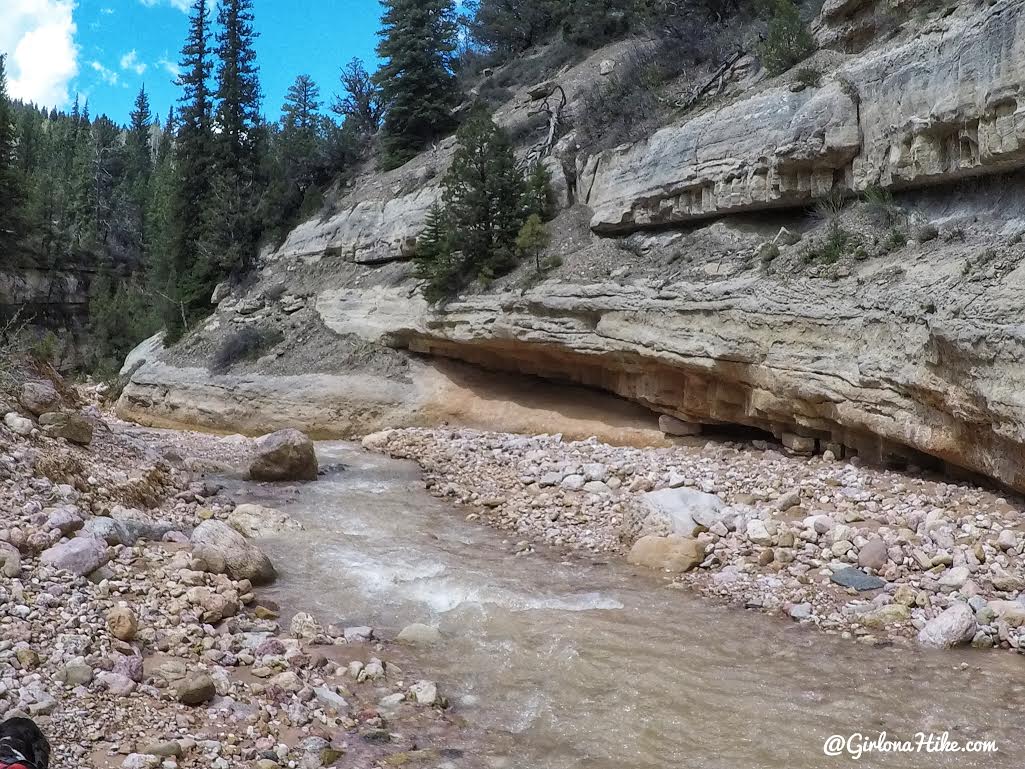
x=581, y=665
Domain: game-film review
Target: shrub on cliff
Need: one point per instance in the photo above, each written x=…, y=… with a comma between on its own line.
x=533, y=239
x=787, y=41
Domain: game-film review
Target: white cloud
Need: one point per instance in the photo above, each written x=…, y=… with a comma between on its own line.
x=181, y=5
x=108, y=76
x=170, y=67
x=130, y=61
x=39, y=38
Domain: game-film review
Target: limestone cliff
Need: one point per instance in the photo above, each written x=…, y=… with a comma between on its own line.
x=677, y=289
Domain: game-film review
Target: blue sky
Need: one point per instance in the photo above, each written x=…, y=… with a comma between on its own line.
x=105, y=50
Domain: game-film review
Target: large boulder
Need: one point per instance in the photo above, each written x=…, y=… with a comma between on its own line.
x=74, y=428
x=241, y=559
x=674, y=553
x=258, y=521
x=954, y=627
x=287, y=455
x=82, y=555
x=39, y=397
x=686, y=512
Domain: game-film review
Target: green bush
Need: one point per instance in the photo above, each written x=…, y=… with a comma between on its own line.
x=533, y=239
x=897, y=239
x=879, y=205
x=837, y=244
x=787, y=40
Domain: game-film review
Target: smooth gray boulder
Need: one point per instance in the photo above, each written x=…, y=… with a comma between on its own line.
x=82, y=555
x=258, y=521
x=287, y=455
x=686, y=512
x=39, y=397
x=241, y=559
x=954, y=627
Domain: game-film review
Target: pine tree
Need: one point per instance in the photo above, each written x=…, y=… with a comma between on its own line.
x=787, y=41
x=482, y=195
x=539, y=198
x=361, y=103
x=181, y=289
x=533, y=239
x=159, y=218
x=137, y=144
x=232, y=231
x=300, y=133
x=507, y=27
x=12, y=196
x=418, y=40
x=482, y=192
x=435, y=260
x=238, y=87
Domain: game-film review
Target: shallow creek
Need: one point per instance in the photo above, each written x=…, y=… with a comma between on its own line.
x=580, y=663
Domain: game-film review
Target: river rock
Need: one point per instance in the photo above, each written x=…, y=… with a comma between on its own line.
x=1007, y=539
x=19, y=425
x=196, y=689
x=758, y=532
x=80, y=556
x=117, y=684
x=305, y=627
x=424, y=692
x=135, y=525
x=857, y=579
x=10, y=560
x=331, y=700
x=873, y=554
x=130, y=666
x=419, y=635
x=76, y=673
x=674, y=553
x=107, y=529
x=681, y=511
x=39, y=397
x=258, y=521
x=241, y=559
x=886, y=615
x=954, y=627
x=140, y=761
x=287, y=455
x=955, y=578
x=74, y=428
x=67, y=520
x=122, y=623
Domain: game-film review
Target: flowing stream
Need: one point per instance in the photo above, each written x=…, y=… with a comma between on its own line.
x=574, y=665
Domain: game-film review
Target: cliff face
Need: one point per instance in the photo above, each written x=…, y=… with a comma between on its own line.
x=888, y=349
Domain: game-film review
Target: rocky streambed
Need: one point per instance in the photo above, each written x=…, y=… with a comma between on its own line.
x=880, y=556
x=397, y=633
x=134, y=632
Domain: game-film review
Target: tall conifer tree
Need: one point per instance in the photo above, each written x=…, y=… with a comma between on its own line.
x=11, y=188
x=232, y=230
x=418, y=41
x=182, y=281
